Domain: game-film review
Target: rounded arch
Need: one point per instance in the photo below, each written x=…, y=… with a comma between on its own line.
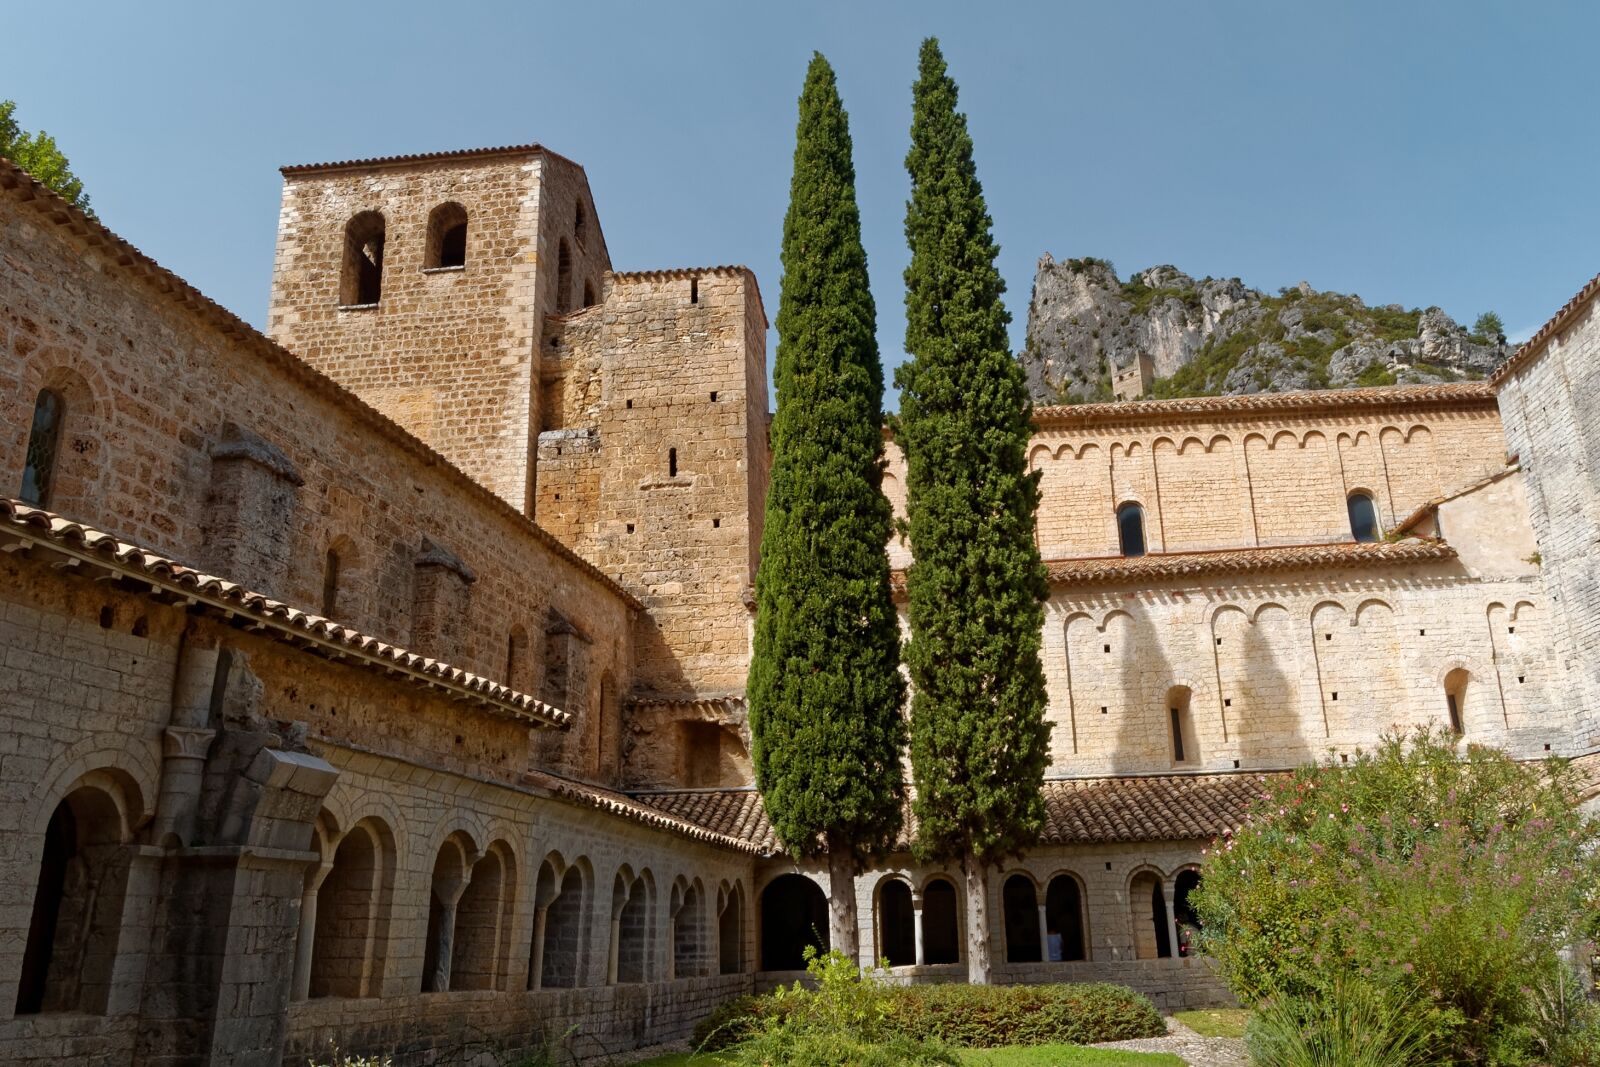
x=1066, y=918
x=1147, y=914
x=895, y=924
x=361, y=279
x=1019, y=903
x=479, y=957
x=447, y=237
x=941, y=920
x=65, y=420
x=793, y=915
x=347, y=804
x=1034, y=452
x=563, y=895
x=349, y=935
x=730, y=928
x=1131, y=540
x=126, y=772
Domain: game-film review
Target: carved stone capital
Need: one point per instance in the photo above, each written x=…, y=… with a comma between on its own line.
x=187, y=742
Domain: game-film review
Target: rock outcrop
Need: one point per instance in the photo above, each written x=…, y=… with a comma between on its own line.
x=1087, y=327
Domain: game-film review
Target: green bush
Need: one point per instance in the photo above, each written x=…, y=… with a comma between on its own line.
x=1447, y=882
x=963, y=1016
x=1353, y=1026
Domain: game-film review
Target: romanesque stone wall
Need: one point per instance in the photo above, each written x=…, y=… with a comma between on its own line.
x=159, y=401
x=665, y=390
x=447, y=352
x=1274, y=671
x=1550, y=401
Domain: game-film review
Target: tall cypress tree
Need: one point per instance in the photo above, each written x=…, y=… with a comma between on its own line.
x=979, y=742
x=825, y=689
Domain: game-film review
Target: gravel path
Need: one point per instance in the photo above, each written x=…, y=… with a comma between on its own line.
x=1195, y=1050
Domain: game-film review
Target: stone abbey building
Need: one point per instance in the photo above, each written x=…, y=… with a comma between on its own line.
x=380, y=679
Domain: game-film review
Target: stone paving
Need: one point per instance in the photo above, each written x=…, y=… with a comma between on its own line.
x=1195, y=1050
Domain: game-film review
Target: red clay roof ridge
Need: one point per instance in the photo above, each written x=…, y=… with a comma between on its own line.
x=533, y=148
x=1541, y=337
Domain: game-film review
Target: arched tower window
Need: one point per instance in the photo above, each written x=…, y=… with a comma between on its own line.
x=362, y=280
x=580, y=224
x=1363, y=517
x=1130, y=530
x=447, y=237
x=1455, y=698
x=1180, y=721
x=589, y=300
x=44, y=441
x=330, y=584
x=564, y=279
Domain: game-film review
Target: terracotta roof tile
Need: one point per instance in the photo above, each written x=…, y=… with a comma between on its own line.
x=1441, y=394
x=279, y=620
x=712, y=830
x=24, y=188
x=1541, y=337
x=1165, y=566
x=1088, y=811
x=425, y=157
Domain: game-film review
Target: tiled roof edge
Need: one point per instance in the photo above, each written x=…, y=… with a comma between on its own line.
x=425, y=157
x=628, y=808
x=282, y=621
x=1443, y=393
x=1541, y=337
x=22, y=186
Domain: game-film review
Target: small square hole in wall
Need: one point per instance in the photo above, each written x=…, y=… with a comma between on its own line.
x=716, y=524
x=1521, y=678
x=1227, y=702
x=1219, y=642
x=630, y=527
x=1422, y=633
x=1336, y=696
x=1511, y=629
x=630, y=404
x=1108, y=866
x=1547, y=748
x=1235, y=764
x=558, y=496
x=713, y=398
x=1102, y=710
x=1327, y=637
x=1344, y=757
x=1108, y=648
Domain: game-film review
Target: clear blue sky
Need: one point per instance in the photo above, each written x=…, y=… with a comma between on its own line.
x=1414, y=153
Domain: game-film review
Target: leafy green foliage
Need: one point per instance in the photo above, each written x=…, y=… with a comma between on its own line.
x=39, y=155
x=1447, y=883
x=1488, y=328
x=1354, y=1025
x=825, y=689
x=979, y=742
x=964, y=1016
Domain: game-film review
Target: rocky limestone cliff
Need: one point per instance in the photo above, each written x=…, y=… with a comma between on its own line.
x=1216, y=335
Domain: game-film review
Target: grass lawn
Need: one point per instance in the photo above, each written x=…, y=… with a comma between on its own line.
x=1017, y=1056
x=1216, y=1022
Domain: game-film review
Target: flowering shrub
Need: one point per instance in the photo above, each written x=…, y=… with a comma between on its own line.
x=1452, y=882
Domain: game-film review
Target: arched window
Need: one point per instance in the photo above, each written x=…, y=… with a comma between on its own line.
x=564, y=279
x=1130, y=530
x=730, y=933
x=558, y=929
x=1363, y=517
x=362, y=280
x=672, y=463
x=1063, y=919
x=330, y=584
x=346, y=950
x=631, y=910
x=580, y=224
x=483, y=918
x=44, y=440
x=450, y=875
x=447, y=237
x=1180, y=724
x=794, y=914
x=941, y=939
x=1147, y=904
x=897, y=932
x=1183, y=912
x=688, y=932
x=588, y=294
x=1021, y=902
x=76, y=924
x=1455, y=698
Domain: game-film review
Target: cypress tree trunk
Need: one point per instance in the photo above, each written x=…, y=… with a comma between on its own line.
x=826, y=693
x=979, y=742
x=980, y=968
x=843, y=933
